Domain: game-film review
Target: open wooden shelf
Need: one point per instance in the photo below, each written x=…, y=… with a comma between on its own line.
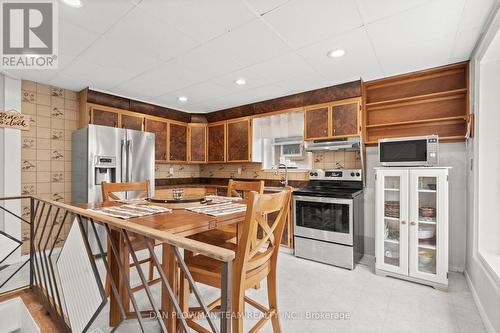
x=418, y=98
x=421, y=121
x=433, y=101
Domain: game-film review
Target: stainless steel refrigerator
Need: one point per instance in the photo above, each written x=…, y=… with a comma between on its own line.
x=115, y=155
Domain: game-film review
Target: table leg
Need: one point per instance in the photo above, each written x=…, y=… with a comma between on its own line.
x=123, y=257
x=169, y=266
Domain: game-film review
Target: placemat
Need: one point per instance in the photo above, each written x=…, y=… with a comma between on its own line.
x=220, y=209
x=130, y=211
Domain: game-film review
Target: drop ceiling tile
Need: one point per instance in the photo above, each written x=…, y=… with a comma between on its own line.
x=375, y=10
x=303, y=83
x=464, y=44
x=98, y=76
x=170, y=100
x=208, y=62
x=202, y=20
x=303, y=22
x=251, y=96
x=164, y=78
x=108, y=52
x=140, y=30
x=281, y=68
x=68, y=82
x=96, y=15
x=239, y=98
x=265, y=6
x=408, y=42
x=74, y=39
x=359, y=60
x=37, y=75
x=475, y=13
x=202, y=92
x=253, y=80
x=251, y=43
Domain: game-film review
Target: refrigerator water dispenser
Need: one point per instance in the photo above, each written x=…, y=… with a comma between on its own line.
x=105, y=169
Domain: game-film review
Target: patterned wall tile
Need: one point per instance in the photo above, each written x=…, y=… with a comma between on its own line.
x=28, y=85
x=57, y=177
x=28, y=165
x=46, y=147
x=29, y=97
x=28, y=189
x=57, y=134
x=57, y=112
x=43, y=99
x=57, y=92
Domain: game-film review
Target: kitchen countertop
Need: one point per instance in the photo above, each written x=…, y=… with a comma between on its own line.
x=271, y=185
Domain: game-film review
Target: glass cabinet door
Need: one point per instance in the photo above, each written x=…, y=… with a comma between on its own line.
x=392, y=225
x=426, y=223
x=428, y=219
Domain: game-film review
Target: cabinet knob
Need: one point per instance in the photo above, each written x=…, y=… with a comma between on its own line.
x=413, y=223
x=403, y=222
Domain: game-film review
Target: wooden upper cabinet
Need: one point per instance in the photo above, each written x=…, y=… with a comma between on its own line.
x=239, y=141
x=131, y=122
x=316, y=122
x=103, y=116
x=197, y=143
x=177, y=142
x=345, y=119
x=216, y=143
x=159, y=128
x=333, y=120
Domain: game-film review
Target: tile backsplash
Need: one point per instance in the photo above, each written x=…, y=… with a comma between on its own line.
x=46, y=147
x=178, y=170
x=322, y=160
x=337, y=159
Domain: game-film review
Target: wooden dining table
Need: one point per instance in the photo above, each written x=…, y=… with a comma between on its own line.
x=180, y=222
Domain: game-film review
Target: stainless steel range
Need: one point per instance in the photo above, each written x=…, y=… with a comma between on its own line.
x=328, y=217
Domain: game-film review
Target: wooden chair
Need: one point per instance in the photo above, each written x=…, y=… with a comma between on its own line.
x=225, y=234
x=255, y=260
x=109, y=191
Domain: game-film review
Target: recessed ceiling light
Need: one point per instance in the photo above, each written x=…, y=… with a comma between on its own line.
x=182, y=99
x=336, y=53
x=240, y=82
x=73, y=3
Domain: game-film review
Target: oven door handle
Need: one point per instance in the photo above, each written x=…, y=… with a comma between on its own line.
x=322, y=199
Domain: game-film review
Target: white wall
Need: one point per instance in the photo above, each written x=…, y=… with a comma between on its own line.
x=10, y=161
x=489, y=162
x=485, y=286
x=451, y=154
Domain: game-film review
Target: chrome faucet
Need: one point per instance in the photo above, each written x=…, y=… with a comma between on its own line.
x=285, y=182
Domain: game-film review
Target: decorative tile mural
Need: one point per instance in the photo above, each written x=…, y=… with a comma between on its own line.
x=46, y=147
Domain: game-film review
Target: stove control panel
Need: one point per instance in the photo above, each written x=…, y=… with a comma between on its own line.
x=336, y=174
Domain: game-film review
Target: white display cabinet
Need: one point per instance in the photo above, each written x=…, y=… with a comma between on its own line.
x=411, y=233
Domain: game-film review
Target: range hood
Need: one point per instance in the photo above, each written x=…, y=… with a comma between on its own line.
x=333, y=145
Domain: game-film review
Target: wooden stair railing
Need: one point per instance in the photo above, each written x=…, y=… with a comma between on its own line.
x=47, y=220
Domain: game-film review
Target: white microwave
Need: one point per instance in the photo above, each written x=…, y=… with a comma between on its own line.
x=409, y=151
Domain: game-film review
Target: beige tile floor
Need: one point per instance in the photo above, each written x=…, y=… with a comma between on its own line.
x=372, y=303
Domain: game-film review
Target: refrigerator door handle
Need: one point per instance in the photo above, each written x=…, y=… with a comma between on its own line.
x=129, y=160
x=123, y=166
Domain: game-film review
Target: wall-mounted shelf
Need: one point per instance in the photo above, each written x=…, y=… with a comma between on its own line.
x=420, y=121
x=418, y=98
x=433, y=101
